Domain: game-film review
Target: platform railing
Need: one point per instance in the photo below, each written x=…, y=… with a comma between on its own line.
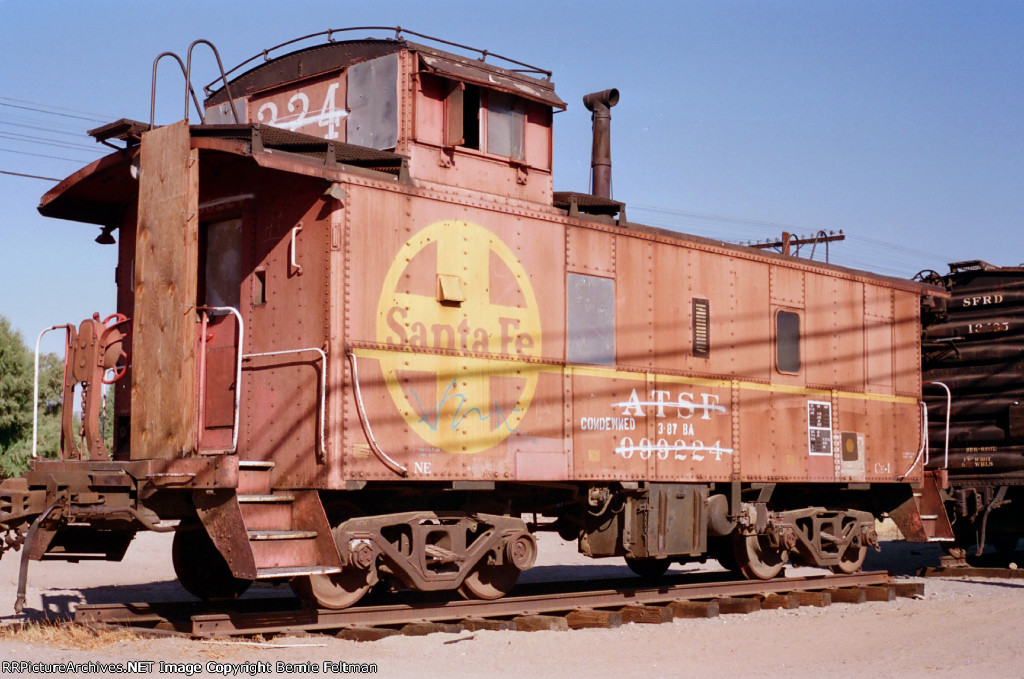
x=321, y=437
x=35, y=381
x=949, y=408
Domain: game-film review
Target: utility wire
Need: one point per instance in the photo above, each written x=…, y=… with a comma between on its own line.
x=98, y=116
x=859, y=252
x=78, y=133
x=70, y=126
x=30, y=176
x=52, y=113
x=41, y=155
x=47, y=141
x=775, y=227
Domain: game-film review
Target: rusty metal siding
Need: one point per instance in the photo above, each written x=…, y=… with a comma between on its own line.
x=315, y=106
x=878, y=338
x=818, y=329
x=125, y=276
x=604, y=435
x=747, y=323
x=907, y=347
x=452, y=388
x=280, y=404
x=691, y=429
x=848, y=333
x=710, y=277
x=337, y=317
x=473, y=384
x=634, y=303
x=673, y=322
x=420, y=373
x=589, y=251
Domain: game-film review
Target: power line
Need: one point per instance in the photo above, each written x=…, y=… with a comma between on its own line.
x=30, y=176
x=47, y=141
x=98, y=116
x=717, y=218
x=78, y=133
x=27, y=117
x=41, y=155
x=874, y=256
x=52, y=113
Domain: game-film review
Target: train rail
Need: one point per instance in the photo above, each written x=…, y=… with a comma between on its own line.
x=535, y=606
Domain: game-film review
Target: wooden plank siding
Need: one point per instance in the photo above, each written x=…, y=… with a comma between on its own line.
x=166, y=260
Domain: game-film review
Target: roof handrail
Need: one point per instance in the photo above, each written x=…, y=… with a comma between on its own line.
x=398, y=30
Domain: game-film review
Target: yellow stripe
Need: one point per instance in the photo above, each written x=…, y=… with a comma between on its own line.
x=787, y=389
x=615, y=373
x=885, y=398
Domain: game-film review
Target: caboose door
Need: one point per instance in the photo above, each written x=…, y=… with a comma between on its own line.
x=221, y=275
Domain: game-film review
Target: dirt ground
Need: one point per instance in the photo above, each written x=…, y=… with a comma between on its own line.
x=960, y=628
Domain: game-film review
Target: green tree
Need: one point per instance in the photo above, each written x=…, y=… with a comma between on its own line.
x=15, y=386
x=16, y=373
x=108, y=419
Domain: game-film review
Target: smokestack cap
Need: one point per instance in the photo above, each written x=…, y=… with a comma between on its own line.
x=605, y=98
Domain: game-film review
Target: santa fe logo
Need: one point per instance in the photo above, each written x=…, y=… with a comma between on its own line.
x=460, y=304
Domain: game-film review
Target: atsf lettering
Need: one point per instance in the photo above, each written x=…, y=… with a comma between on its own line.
x=684, y=405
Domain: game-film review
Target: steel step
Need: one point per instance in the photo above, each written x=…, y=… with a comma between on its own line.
x=255, y=464
x=281, y=534
x=295, y=571
x=266, y=498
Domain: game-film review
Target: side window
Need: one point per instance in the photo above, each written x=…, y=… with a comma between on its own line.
x=221, y=261
x=506, y=125
x=787, y=342
x=590, y=319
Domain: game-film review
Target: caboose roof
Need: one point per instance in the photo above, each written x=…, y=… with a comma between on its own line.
x=99, y=192
x=333, y=56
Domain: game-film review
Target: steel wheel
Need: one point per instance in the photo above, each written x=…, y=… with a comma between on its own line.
x=648, y=568
x=489, y=581
x=200, y=567
x=757, y=559
x=851, y=560
x=337, y=590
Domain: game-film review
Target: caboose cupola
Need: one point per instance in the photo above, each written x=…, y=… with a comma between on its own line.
x=459, y=121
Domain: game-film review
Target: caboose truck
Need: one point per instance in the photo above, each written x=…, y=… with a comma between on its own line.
x=358, y=338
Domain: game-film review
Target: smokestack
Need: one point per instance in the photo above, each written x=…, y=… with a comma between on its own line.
x=600, y=104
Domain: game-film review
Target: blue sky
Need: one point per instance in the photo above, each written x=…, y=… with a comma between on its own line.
x=900, y=123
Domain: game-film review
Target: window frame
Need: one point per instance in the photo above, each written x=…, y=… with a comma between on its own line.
x=696, y=303
x=457, y=119
x=780, y=335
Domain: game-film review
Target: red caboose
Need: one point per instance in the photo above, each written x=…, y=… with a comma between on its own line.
x=360, y=337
